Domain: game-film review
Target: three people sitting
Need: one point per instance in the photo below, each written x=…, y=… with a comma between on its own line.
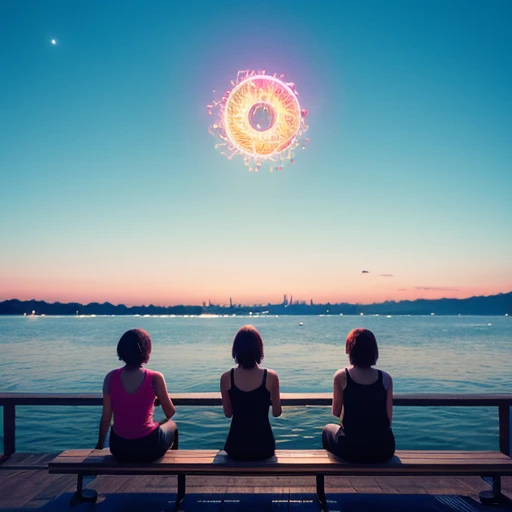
x=362, y=400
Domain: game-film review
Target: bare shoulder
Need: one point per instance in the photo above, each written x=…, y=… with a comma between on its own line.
x=386, y=379
x=225, y=379
x=385, y=375
x=272, y=374
x=109, y=375
x=340, y=376
x=106, y=381
x=272, y=378
x=157, y=376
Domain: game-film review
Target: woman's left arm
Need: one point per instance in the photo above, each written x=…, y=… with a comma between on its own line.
x=337, y=393
x=224, y=392
x=163, y=395
x=275, y=394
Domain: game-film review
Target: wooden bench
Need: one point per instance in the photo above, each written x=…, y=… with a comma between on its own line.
x=318, y=463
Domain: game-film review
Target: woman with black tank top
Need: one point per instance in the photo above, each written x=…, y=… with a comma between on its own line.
x=247, y=391
x=363, y=400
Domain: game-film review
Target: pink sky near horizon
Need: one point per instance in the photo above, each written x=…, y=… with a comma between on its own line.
x=363, y=289
x=167, y=271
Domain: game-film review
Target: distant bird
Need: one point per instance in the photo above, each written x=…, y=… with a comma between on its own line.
x=381, y=275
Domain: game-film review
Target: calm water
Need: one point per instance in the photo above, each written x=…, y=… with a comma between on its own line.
x=423, y=354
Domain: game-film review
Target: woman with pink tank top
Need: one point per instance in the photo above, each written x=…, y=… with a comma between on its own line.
x=129, y=395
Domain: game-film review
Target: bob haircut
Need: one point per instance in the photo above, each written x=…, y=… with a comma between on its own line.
x=134, y=347
x=361, y=347
x=247, y=347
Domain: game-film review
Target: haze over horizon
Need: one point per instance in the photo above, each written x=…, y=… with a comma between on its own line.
x=111, y=189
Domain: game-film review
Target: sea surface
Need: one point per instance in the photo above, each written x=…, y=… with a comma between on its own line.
x=423, y=354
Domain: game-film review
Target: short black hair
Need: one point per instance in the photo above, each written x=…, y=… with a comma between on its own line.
x=247, y=347
x=361, y=347
x=134, y=347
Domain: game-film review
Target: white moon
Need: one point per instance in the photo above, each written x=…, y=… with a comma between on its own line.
x=54, y=42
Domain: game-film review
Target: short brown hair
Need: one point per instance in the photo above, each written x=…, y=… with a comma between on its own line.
x=361, y=347
x=134, y=347
x=247, y=348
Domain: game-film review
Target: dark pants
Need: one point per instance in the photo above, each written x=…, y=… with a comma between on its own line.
x=145, y=449
x=371, y=448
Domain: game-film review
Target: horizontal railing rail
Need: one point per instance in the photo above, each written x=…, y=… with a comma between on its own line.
x=287, y=399
x=503, y=402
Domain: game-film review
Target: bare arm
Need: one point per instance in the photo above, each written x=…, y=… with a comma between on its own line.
x=106, y=415
x=337, y=392
x=389, y=400
x=224, y=391
x=275, y=394
x=163, y=396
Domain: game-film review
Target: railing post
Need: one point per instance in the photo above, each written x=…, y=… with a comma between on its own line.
x=505, y=420
x=9, y=429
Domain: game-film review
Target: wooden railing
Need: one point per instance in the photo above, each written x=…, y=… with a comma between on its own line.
x=9, y=401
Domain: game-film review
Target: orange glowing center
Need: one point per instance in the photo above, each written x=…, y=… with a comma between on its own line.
x=262, y=116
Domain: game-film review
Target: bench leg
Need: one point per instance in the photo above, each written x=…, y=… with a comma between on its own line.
x=320, y=491
x=494, y=496
x=181, y=491
x=83, y=495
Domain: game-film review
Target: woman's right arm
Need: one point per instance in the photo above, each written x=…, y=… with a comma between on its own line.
x=337, y=393
x=106, y=414
x=389, y=398
x=225, y=383
x=163, y=396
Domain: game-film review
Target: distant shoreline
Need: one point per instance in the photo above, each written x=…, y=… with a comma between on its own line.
x=240, y=315
x=492, y=305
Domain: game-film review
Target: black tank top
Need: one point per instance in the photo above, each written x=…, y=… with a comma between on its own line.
x=250, y=435
x=364, y=408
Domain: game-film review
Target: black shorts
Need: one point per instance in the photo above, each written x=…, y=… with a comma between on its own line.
x=363, y=449
x=145, y=449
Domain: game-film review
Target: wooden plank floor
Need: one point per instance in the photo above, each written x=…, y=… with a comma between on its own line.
x=26, y=485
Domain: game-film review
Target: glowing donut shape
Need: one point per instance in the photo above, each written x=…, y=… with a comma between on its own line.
x=262, y=116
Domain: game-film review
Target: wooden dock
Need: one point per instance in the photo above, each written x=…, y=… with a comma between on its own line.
x=26, y=485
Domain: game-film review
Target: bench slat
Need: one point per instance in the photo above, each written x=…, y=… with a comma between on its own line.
x=435, y=453
x=286, y=462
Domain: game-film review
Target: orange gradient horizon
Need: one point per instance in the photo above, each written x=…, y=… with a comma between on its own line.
x=363, y=290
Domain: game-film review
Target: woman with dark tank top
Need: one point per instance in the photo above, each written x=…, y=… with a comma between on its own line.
x=247, y=392
x=363, y=400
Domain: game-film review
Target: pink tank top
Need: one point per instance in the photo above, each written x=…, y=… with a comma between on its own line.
x=133, y=412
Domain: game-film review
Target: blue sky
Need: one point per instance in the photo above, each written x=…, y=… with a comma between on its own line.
x=111, y=188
